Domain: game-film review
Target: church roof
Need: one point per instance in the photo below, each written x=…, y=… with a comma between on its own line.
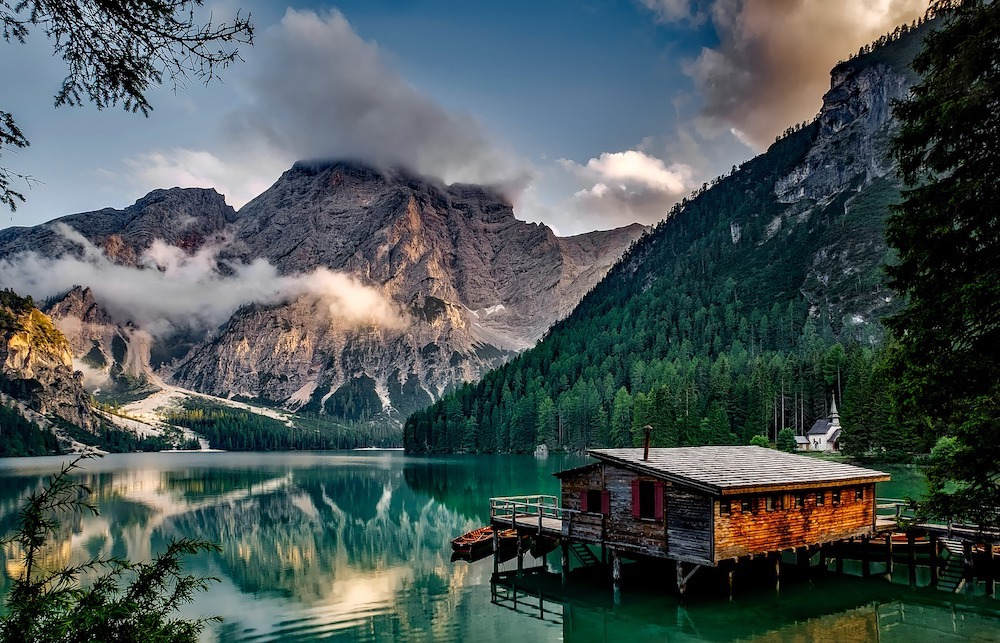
x=820, y=428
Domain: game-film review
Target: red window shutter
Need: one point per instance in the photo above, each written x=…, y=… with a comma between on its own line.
x=658, y=500
x=583, y=501
x=635, y=498
x=606, y=502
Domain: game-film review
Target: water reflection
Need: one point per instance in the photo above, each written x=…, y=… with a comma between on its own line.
x=356, y=547
x=831, y=609
x=312, y=544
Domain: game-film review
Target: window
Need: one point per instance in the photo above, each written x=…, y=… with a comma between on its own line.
x=820, y=498
x=800, y=500
x=746, y=505
x=836, y=496
x=859, y=493
x=724, y=507
x=774, y=503
x=595, y=501
x=647, y=499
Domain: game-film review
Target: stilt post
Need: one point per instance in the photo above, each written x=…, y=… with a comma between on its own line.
x=496, y=552
x=967, y=572
x=934, y=559
x=888, y=557
x=911, y=556
x=990, y=574
x=520, y=555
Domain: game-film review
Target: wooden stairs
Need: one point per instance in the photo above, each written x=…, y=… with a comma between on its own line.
x=951, y=578
x=583, y=553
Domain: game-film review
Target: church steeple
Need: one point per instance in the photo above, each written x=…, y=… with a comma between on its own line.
x=834, y=415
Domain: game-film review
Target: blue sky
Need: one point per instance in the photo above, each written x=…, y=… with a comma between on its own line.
x=591, y=114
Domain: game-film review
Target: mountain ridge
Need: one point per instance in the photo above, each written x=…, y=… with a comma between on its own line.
x=724, y=321
x=473, y=283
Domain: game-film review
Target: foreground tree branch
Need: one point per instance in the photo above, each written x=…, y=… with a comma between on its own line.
x=122, y=601
x=116, y=51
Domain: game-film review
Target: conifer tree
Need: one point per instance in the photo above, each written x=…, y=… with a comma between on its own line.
x=947, y=235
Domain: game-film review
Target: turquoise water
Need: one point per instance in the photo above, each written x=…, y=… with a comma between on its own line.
x=355, y=546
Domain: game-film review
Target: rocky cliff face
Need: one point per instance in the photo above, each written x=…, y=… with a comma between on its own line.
x=855, y=124
x=470, y=284
x=106, y=352
x=475, y=286
x=186, y=218
x=847, y=176
x=36, y=364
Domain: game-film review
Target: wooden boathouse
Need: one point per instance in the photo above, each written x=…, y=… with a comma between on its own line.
x=700, y=505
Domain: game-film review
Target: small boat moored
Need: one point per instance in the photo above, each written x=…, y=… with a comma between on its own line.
x=481, y=540
x=476, y=539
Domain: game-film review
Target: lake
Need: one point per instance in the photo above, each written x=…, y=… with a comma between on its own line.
x=354, y=546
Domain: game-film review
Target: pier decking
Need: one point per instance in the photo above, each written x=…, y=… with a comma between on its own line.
x=540, y=514
x=717, y=506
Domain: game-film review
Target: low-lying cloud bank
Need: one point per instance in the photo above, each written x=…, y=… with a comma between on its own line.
x=173, y=290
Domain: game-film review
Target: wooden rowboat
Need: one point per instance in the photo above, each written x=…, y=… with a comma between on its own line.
x=477, y=539
x=481, y=540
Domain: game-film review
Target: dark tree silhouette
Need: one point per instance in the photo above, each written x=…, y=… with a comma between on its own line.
x=115, y=51
x=947, y=234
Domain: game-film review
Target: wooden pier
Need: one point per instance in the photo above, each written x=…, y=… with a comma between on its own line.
x=721, y=507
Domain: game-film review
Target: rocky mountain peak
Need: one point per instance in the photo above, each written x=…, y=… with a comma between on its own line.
x=474, y=284
x=36, y=363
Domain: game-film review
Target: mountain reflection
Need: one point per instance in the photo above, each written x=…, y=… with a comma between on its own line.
x=312, y=544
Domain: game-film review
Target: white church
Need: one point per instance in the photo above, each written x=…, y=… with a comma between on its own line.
x=824, y=434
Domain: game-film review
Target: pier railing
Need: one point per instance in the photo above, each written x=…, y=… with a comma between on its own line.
x=903, y=514
x=544, y=513
x=895, y=508
x=539, y=510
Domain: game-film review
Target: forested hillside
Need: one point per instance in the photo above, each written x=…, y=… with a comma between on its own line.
x=744, y=312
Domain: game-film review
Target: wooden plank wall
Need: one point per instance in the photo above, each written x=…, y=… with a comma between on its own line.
x=644, y=535
x=586, y=526
x=740, y=534
x=689, y=523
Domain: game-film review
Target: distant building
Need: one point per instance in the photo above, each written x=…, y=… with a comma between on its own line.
x=706, y=504
x=825, y=433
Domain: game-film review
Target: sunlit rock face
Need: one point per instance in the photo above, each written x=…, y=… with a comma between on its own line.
x=36, y=367
x=468, y=284
x=474, y=284
x=848, y=179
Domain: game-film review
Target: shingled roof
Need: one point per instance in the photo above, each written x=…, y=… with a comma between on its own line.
x=731, y=470
x=820, y=427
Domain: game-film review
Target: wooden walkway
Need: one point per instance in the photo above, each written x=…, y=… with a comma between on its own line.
x=526, y=522
x=539, y=514
x=899, y=515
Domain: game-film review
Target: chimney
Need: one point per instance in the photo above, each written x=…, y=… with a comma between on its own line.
x=645, y=451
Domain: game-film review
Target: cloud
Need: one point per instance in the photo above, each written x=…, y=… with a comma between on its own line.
x=173, y=290
x=239, y=176
x=320, y=91
x=626, y=187
x=674, y=10
x=772, y=64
